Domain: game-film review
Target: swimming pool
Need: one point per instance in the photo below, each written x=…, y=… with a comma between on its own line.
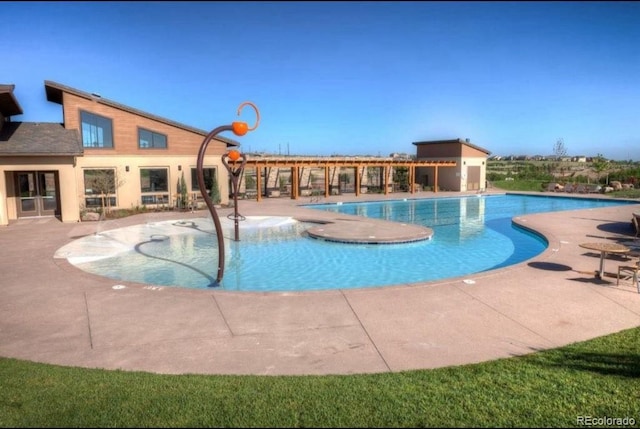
x=471, y=234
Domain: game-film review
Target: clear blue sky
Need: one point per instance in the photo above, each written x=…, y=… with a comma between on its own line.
x=347, y=78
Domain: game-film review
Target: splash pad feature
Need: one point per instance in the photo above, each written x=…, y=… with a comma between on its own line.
x=239, y=128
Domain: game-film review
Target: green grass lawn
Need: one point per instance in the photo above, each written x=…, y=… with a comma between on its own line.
x=593, y=381
x=519, y=185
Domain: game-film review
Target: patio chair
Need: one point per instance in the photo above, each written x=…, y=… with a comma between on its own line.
x=626, y=272
x=635, y=220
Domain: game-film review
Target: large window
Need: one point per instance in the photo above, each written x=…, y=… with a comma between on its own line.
x=209, y=178
x=151, y=140
x=210, y=182
x=97, y=131
x=154, y=185
x=99, y=188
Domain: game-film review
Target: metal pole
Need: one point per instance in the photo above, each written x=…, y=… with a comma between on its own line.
x=207, y=199
x=240, y=129
x=235, y=175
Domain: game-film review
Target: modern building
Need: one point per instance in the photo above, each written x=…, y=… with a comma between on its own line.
x=106, y=156
x=469, y=174
x=103, y=154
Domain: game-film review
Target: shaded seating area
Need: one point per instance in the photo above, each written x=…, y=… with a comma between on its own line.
x=629, y=271
x=623, y=246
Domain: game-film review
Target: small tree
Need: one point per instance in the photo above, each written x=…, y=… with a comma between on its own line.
x=559, y=149
x=600, y=164
x=183, y=199
x=401, y=177
x=343, y=180
x=214, y=192
x=283, y=183
x=104, y=183
x=249, y=183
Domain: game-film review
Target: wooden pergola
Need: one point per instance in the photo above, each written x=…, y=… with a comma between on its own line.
x=296, y=163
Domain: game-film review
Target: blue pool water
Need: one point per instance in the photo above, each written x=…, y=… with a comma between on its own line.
x=471, y=234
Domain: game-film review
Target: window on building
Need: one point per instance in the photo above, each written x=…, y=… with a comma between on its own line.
x=209, y=177
x=97, y=131
x=151, y=140
x=100, y=188
x=210, y=182
x=154, y=185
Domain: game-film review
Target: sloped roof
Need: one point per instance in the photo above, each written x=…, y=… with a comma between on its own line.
x=55, y=90
x=38, y=139
x=8, y=104
x=458, y=141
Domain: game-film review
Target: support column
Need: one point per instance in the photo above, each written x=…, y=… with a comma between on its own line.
x=295, y=182
x=292, y=178
x=412, y=178
x=258, y=183
x=326, y=181
x=386, y=180
x=435, y=179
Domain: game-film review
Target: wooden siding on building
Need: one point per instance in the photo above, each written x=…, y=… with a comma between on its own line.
x=125, y=131
x=448, y=150
x=439, y=150
x=471, y=152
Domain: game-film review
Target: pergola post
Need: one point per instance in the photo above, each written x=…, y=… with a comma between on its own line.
x=435, y=179
x=412, y=178
x=326, y=181
x=258, y=183
x=386, y=180
x=295, y=185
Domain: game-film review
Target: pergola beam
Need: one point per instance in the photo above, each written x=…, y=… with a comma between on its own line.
x=386, y=164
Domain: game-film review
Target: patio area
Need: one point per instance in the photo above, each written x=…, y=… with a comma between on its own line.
x=54, y=313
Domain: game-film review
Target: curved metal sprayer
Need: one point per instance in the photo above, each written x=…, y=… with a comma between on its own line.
x=239, y=129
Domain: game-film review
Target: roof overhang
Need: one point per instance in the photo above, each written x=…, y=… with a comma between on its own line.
x=55, y=93
x=453, y=141
x=9, y=106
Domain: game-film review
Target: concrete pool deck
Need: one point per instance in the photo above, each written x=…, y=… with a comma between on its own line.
x=52, y=312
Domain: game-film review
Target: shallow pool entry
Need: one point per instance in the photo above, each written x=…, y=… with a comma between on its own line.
x=471, y=235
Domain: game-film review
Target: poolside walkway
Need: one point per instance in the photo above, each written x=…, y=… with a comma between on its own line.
x=52, y=312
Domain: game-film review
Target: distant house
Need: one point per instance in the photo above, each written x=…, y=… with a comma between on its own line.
x=471, y=167
x=56, y=169
x=396, y=155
